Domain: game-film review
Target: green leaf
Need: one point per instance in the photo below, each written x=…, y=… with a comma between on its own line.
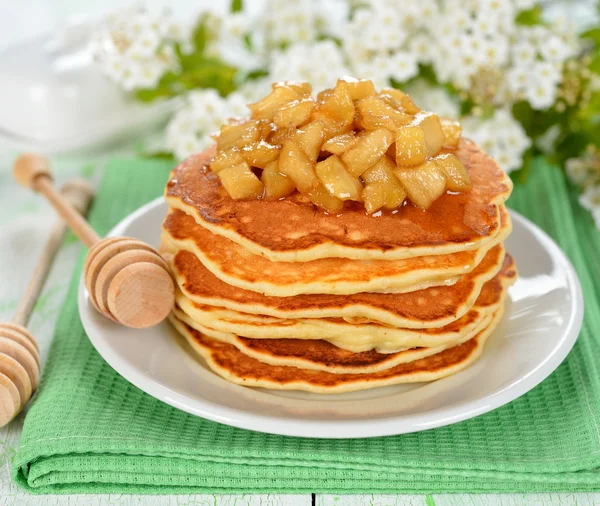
x=237, y=5
x=592, y=34
x=256, y=74
x=594, y=65
x=530, y=17
x=158, y=155
x=200, y=35
x=521, y=175
x=248, y=41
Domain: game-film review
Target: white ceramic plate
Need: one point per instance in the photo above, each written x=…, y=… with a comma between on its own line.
x=540, y=326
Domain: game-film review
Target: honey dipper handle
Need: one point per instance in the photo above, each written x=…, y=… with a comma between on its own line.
x=78, y=225
x=33, y=171
x=79, y=194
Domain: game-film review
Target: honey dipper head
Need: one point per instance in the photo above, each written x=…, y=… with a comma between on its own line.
x=129, y=282
x=19, y=369
x=28, y=167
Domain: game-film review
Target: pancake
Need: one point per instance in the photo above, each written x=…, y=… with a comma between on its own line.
x=230, y=363
x=355, y=338
x=236, y=266
x=321, y=355
x=433, y=307
x=456, y=222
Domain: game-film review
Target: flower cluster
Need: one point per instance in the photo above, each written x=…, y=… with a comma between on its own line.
x=501, y=136
x=499, y=66
x=585, y=172
x=135, y=48
x=205, y=111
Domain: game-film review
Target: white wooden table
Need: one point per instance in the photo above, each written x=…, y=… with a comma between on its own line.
x=24, y=222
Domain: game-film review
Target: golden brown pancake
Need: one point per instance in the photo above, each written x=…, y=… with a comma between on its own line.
x=321, y=355
x=433, y=307
x=236, y=266
x=230, y=363
x=354, y=338
x=292, y=229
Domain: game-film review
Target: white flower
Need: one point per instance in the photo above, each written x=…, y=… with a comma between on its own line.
x=546, y=72
x=133, y=49
x=523, y=53
x=578, y=171
x=554, y=49
x=485, y=24
x=404, y=66
x=523, y=5
x=205, y=111
x=286, y=22
x=236, y=105
x=494, y=51
x=540, y=94
x=518, y=79
x=535, y=35
x=145, y=45
x=253, y=91
x=590, y=198
x=235, y=25
x=331, y=17
x=149, y=74
x=420, y=45
x=319, y=63
x=433, y=98
x=501, y=136
x=495, y=7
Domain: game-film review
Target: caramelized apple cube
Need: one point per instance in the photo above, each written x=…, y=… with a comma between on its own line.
x=403, y=99
x=239, y=135
x=240, y=182
x=373, y=113
x=359, y=88
x=340, y=143
x=367, y=150
x=336, y=110
x=294, y=113
x=452, y=132
x=324, y=94
x=224, y=159
x=310, y=138
x=276, y=184
x=335, y=178
x=457, y=176
x=259, y=154
x=423, y=184
x=302, y=88
x=410, y=145
x=434, y=136
x=383, y=172
x=374, y=197
x=322, y=198
x=266, y=108
x=279, y=135
x=294, y=163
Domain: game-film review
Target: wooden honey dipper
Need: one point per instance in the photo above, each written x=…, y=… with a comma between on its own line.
x=19, y=354
x=127, y=280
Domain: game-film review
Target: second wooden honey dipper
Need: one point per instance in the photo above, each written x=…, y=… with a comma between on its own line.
x=127, y=280
x=19, y=355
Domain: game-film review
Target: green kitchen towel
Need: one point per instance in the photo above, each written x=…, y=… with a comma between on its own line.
x=89, y=430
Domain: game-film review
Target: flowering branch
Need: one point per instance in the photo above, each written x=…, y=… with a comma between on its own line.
x=521, y=85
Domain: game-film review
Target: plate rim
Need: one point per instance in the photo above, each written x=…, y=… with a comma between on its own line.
x=356, y=428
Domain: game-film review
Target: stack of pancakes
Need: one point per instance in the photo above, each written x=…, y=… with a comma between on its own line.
x=279, y=294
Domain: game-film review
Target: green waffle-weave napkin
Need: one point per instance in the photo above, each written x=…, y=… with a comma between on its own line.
x=89, y=430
